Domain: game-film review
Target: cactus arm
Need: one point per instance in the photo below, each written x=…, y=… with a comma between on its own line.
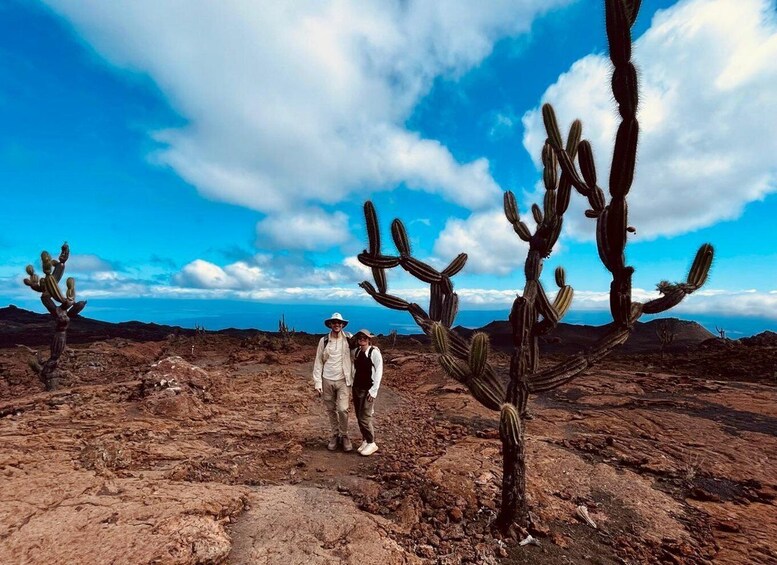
x=52, y=287
x=75, y=310
x=33, y=284
x=567, y=370
x=511, y=213
x=387, y=300
x=373, y=231
x=50, y=305
x=673, y=294
x=468, y=364
x=59, y=266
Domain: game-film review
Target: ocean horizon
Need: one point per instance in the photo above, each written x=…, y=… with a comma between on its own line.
x=225, y=314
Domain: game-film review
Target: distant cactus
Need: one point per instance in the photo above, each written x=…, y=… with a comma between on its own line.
x=533, y=313
x=61, y=306
x=666, y=330
x=721, y=332
x=393, y=336
x=284, y=331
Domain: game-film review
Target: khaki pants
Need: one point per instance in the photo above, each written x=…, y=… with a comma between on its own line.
x=337, y=397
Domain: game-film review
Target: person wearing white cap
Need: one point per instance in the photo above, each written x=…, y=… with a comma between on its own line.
x=333, y=377
x=368, y=372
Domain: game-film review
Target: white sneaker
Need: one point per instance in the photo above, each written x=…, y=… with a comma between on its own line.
x=369, y=449
x=362, y=446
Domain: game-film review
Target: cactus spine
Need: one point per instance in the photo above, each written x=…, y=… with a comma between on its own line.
x=566, y=165
x=61, y=307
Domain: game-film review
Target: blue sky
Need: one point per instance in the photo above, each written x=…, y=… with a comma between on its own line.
x=222, y=151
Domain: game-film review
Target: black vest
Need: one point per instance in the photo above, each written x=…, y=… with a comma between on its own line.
x=363, y=363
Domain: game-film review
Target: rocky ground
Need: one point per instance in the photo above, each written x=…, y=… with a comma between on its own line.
x=212, y=450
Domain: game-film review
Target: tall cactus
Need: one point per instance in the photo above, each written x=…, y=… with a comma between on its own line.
x=566, y=165
x=61, y=306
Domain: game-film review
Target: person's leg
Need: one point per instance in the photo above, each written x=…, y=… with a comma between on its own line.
x=343, y=409
x=359, y=405
x=367, y=413
x=366, y=421
x=329, y=396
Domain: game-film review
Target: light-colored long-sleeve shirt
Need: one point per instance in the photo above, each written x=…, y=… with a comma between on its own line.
x=333, y=360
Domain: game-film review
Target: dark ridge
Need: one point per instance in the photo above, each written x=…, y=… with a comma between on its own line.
x=19, y=326
x=570, y=338
x=22, y=327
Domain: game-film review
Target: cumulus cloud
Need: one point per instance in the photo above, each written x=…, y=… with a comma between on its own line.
x=487, y=238
x=733, y=303
x=300, y=103
x=269, y=275
x=359, y=271
x=203, y=274
x=310, y=230
x=707, y=115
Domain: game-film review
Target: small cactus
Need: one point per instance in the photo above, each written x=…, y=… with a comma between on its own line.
x=61, y=307
x=285, y=332
x=666, y=330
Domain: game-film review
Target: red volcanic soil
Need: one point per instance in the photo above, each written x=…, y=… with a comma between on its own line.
x=211, y=449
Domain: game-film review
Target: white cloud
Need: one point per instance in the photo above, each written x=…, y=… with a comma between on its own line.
x=311, y=229
x=300, y=103
x=359, y=271
x=261, y=276
x=733, y=303
x=488, y=240
x=246, y=275
x=202, y=274
x=708, y=113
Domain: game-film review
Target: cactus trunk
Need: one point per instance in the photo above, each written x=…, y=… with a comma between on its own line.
x=513, y=509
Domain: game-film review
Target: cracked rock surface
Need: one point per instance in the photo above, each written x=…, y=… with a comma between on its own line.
x=306, y=525
x=213, y=451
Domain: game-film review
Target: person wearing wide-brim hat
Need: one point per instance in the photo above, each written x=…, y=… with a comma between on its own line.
x=368, y=372
x=333, y=377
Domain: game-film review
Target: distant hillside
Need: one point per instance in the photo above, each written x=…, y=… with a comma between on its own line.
x=19, y=326
x=569, y=338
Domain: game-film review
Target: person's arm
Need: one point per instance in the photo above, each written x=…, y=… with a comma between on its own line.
x=377, y=372
x=318, y=366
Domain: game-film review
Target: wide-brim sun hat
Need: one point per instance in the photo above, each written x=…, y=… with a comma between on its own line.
x=336, y=317
x=365, y=333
